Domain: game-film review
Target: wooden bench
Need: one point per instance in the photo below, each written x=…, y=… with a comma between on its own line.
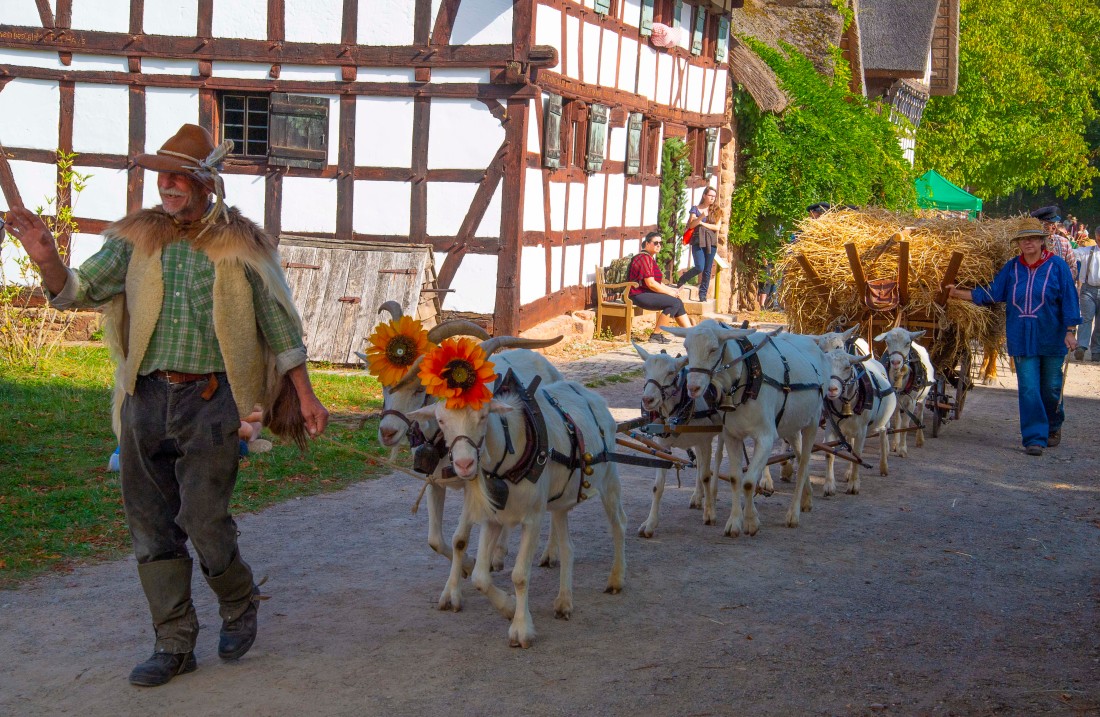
x=613, y=301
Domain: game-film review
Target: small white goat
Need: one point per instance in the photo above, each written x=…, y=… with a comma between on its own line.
x=664, y=395
x=911, y=375
x=479, y=442
x=858, y=400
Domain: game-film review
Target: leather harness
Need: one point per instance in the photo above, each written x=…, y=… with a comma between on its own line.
x=754, y=376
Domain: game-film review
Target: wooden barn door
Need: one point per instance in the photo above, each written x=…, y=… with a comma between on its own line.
x=338, y=288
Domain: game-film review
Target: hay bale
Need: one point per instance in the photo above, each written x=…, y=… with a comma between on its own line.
x=985, y=245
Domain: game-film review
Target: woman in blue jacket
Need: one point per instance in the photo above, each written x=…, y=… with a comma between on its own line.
x=1042, y=313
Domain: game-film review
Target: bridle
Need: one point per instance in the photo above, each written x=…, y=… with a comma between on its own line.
x=413, y=431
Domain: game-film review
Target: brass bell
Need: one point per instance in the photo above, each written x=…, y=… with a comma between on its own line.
x=726, y=404
x=587, y=457
x=587, y=470
x=586, y=484
x=583, y=497
x=846, y=409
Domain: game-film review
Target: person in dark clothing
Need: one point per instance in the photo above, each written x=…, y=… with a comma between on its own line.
x=650, y=292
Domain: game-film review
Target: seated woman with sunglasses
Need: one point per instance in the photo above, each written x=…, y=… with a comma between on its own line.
x=651, y=293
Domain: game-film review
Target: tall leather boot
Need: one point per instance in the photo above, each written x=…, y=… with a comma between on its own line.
x=238, y=602
x=167, y=586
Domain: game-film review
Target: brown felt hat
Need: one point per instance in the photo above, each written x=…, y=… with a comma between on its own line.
x=1030, y=228
x=181, y=154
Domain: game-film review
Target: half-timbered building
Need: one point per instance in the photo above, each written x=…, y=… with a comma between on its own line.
x=520, y=139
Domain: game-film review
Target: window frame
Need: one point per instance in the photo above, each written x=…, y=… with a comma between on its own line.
x=221, y=96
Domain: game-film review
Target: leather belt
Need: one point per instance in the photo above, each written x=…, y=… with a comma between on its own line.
x=175, y=377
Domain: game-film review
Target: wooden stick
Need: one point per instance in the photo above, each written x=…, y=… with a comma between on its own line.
x=857, y=269
x=949, y=276
x=647, y=441
x=903, y=271
x=653, y=452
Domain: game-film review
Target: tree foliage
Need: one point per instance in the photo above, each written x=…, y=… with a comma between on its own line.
x=1029, y=83
x=672, y=211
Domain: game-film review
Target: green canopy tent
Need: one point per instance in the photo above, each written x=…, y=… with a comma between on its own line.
x=935, y=192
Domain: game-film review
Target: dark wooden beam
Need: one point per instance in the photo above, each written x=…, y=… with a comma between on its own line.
x=204, y=25
x=556, y=304
x=276, y=21
x=445, y=22
x=63, y=18
x=506, y=317
x=7, y=181
x=348, y=22
x=523, y=30
x=579, y=237
x=553, y=82
x=135, y=177
x=422, y=22
x=273, y=202
x=345, y=182
x=137, y=16
x=67, y=91
x=477, y=246
x=418, y=206
x=45, y=12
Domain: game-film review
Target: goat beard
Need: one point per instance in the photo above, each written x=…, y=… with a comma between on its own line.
x=284, y=417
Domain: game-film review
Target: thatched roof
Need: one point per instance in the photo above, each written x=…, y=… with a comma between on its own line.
x=752, y=73
x=813, y=27
x=895, y=35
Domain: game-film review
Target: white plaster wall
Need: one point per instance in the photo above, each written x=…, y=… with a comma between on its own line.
x=241, y=70
x=572, y=265
x=385, y=22
x=98, y=63
x=632, y=13
x=21, y=12
x=555, y=268
x=718, y=102
x=632, y=246
x=101, y=118
x=591, y=260
x=10, y=259
x=572, y=46
x=651, y=205
x=647, y=73
x=82, y=246
x=610, y=252
x=384, y=74
x=149, y=195
x=490, y=222
x=696, y=86
x=591, y=69
x=30, y=58
x=170, y=17
x=382, y=208
x=157, y=66
x=463, y=135
x=483, y=22
x=166, y=108
x=616, y=189
x=247, y=192
x=448, y=203
x=240, y=18
x=609, y=58
x=533, y=211
x=534, y=128
x=616, y=144
x=38, y=128
x=36, y=182
x=548, y=30
x=557, y=206
x=532, y=274
x=628, y=65
x=634, y=205
x=663, y=93
x=309, y=204
x=104, y=195
x=593, y=211
x=104, y=15
x=475, y=285
x=444, y=75
x=383, y=131
x=684, y=23
x=313, y=20
x=575, y=218
x=311, y=73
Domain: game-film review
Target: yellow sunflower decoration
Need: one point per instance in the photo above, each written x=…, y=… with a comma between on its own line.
x=394, y=346
x=458, y=371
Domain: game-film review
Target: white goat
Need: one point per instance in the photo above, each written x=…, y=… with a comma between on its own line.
x=715, y=356
x=911, y=375
x=858, y=400
x=664, y=395
x=479, y=441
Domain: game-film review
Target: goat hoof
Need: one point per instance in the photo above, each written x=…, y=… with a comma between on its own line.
x=645, y=531
x=613, y=589
x=792, y=521
x=732, y=531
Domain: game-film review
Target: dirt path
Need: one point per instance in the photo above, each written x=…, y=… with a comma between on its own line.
x=966, y=582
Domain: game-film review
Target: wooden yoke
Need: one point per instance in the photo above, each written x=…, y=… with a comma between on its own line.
x=857, y=269
x=949, y=276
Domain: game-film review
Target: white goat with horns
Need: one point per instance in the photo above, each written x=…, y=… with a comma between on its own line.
x=489, y=444
x=911, y=374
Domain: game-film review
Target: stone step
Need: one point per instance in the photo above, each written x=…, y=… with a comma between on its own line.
x=698, y=308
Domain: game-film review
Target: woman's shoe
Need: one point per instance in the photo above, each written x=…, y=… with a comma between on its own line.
x=658, y=337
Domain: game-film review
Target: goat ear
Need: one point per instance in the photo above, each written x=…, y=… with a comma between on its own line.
x=641, y=352
x=681, y=361
x=680, y=331
x=881, y=337
x=914, y=335
x=848, y=334
x=857, y=359
x=424, y=413
x=496, y=406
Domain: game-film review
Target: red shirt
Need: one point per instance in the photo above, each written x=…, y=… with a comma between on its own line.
x=642, y=267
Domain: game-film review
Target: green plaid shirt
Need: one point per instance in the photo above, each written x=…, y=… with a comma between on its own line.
x=184, y=338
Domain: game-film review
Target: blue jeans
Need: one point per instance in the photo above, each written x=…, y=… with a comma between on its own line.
x=704, y=262
x=1040, y=389
x=1088, y=334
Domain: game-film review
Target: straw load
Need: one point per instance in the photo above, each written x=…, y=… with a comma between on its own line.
x=985, y=246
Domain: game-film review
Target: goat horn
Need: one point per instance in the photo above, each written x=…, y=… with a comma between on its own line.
x=411, y=375
x=456, y=327
x=514, y=342
x=394, y=308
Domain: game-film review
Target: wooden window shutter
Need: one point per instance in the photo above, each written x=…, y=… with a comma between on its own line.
x=603, y=7
x=723, y=45
x=634, y=144
x=700, y=29
x=298, y=131
x=708, y=152
x=597, y=137
x=551, y=137
x=645, y=27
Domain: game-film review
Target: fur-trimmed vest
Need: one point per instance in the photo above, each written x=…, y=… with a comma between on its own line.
x=232, y=246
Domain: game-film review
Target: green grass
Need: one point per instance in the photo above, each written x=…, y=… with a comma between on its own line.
x=624, y=377
x=59, y=504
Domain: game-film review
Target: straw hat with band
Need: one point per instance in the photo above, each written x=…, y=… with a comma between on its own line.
x=191, y=151
x=1030, y=229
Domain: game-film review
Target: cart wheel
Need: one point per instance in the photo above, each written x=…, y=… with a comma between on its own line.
x=964, y=383
x=938, y=396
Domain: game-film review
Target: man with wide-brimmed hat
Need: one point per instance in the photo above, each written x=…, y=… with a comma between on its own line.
x=1041, y=318
x=201, y=324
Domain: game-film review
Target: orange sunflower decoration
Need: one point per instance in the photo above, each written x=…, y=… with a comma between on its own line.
x=394, y=346
x=458, y=371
